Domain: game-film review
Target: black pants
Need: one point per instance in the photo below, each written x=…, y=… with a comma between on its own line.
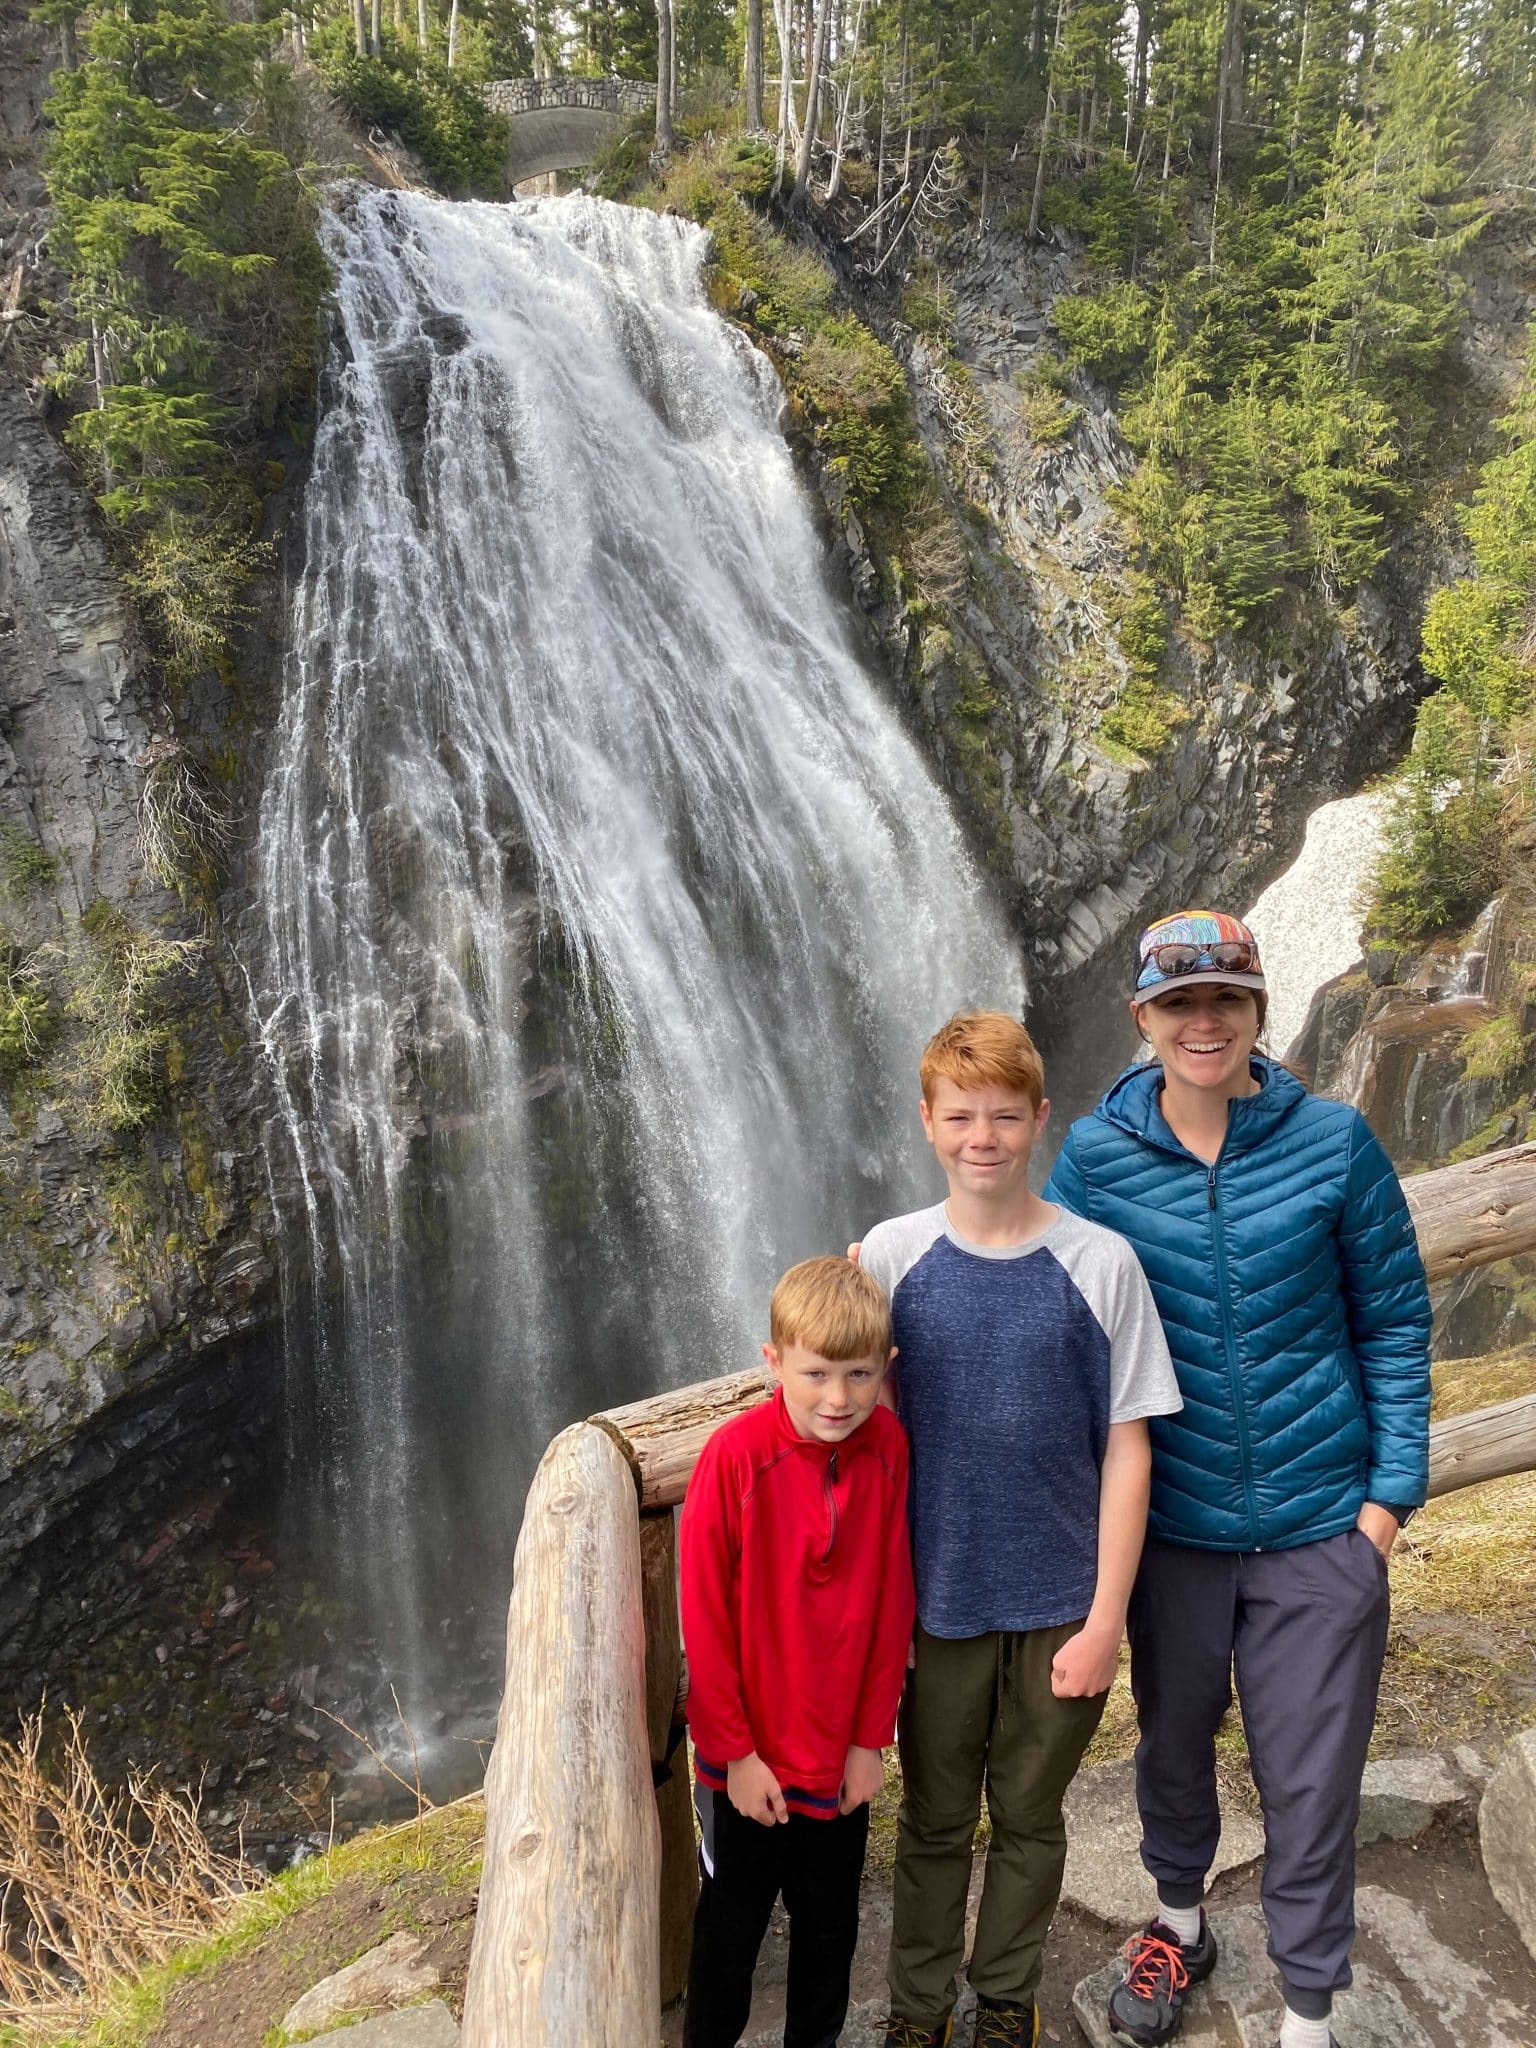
x=817, y=1865
x=1306, y=1630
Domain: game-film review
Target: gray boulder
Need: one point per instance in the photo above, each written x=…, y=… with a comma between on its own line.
x=388, y=1975
x=1401, y=1795
x=419, y=2026
x=1104, y=1872
x=1506, y=1826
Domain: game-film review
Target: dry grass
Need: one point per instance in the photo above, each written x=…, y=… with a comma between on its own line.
x=94, y=1883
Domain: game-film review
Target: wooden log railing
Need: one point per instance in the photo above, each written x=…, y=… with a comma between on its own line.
x=588, y=1884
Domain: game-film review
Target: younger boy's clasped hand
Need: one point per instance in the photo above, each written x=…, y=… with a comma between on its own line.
x=754, y=1791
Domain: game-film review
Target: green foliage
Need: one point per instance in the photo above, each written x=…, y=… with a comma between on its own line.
x=1455, y=818
x=1440, y=857
x=27, y=1019
x=1141, y=627
x=121, y=978
x=24, y=865
x=845, y=383
x=436, y=112
x=1496, y=1051
x=1046, y=414
x=928, y=304
x=187, y=233
x=856, y=389
x=1477, y=637
x=1142, y=719
x=1107, y=209
x=1107, y=330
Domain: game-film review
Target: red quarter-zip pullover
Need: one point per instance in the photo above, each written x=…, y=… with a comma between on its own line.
x=797, y=1599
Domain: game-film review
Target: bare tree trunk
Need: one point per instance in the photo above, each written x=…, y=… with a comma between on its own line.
x=1045, y=124
x=453, y=31
x=421, y=26
x=1229, y=80
x=676, y=58
x=359, y=28
x=812, y=104
x=376, y=29
x=783, y=27
x=906, y=102
x=835, y=182
x=1143, y=45
x=664, y=139
x=754, y=66
x=1301, y=79
x=880, y=162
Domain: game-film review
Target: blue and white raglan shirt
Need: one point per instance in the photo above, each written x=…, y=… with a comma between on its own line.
x=1012, y=1363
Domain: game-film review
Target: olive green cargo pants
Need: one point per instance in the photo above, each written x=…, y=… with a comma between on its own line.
x=980, y=1712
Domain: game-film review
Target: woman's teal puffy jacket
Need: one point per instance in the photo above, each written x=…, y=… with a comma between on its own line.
x=1293, y=1297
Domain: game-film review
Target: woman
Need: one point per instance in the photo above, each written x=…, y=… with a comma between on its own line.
x=1282, y=1257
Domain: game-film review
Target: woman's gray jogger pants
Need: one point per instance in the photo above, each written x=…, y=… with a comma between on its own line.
x=1306, y=1630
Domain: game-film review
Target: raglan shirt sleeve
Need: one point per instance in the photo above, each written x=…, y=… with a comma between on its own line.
x=709, y=1549
x=1142, y=1381
x=1389, y=1321
x=886, y=1670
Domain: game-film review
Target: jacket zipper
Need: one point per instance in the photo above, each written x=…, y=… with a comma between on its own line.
x=830, y=1483
x=1234, y=1370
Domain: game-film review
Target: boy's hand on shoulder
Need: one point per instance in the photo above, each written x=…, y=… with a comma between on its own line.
x=754, y=1791
x=863, y=1776
x=1086, y=1663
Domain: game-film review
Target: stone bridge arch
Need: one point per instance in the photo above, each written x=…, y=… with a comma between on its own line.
x=558, y=124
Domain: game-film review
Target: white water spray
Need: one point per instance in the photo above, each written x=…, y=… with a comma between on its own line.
x=608, y=904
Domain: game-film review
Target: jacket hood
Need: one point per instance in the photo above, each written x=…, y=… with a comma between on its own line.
x=1134, y=1104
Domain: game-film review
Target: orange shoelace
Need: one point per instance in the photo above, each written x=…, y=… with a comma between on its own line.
x=1148, y=1961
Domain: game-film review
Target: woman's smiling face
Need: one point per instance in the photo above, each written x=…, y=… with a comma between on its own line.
x=1203, y=1035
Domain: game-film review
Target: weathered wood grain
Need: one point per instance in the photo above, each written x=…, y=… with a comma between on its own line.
x=566, y=1945
x=1490, y=1443
x=1475, y=1213
x=674, y=1803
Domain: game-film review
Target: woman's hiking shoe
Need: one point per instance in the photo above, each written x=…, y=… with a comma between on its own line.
x=1000, y=2024
x=908, y=2034
x=1159, y=1970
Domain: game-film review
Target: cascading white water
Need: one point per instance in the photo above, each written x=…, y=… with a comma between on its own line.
x=607, y=903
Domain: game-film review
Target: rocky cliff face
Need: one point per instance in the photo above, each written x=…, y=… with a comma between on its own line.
x=1437, y=1049
x=1012, y=692
x=135, y=1293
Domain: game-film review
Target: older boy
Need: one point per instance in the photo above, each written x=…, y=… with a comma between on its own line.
x=1030, y=1357
x=797, y=1612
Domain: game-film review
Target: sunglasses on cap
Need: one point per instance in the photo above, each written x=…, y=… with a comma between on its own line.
x=1235, y=956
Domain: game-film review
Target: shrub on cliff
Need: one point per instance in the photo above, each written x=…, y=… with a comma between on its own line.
x=436, y=112
x=187, y=233
x=1467, y=794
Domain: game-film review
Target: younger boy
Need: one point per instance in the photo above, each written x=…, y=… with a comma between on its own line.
x=1030, y=1357
x=797, y=1611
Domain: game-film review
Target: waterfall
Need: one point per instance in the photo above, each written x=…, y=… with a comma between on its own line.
x=607, y=905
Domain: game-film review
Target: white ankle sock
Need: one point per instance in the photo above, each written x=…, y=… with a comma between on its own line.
x=1296, y=2032
x=1185, y=1922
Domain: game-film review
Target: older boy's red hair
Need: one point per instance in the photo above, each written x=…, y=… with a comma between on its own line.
x=983, y=1049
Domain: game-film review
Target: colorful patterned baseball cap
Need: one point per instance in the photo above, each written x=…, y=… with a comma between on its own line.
x=1192, y=947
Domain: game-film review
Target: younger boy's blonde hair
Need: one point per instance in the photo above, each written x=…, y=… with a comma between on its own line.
x=983, y=1049
x=832, y=1307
